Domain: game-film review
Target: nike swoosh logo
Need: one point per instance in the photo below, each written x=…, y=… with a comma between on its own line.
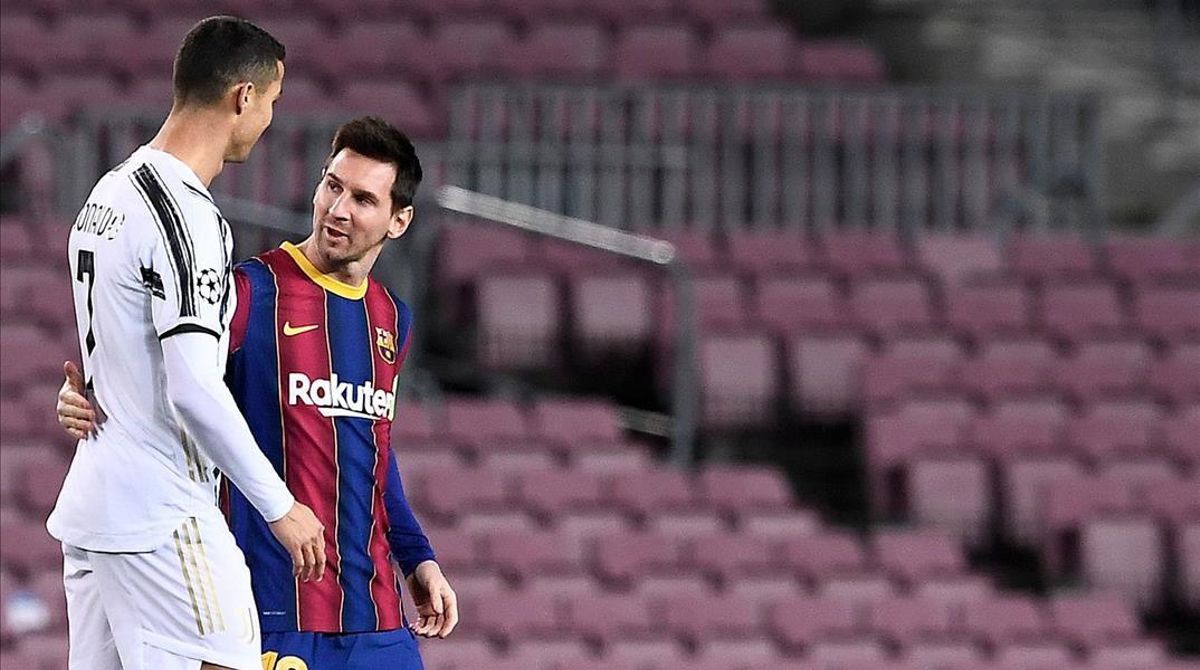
x=289, y=331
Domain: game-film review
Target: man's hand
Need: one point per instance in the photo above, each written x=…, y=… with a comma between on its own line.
x=437, y=605
x=75, y=413
x=303, y=535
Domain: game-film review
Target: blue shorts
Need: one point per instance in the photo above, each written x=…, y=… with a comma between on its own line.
x=391, y=649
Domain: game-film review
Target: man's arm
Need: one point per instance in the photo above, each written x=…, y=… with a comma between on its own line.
x=410, y=547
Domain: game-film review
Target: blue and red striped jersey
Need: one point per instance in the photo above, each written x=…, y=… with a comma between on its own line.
x=313, y=366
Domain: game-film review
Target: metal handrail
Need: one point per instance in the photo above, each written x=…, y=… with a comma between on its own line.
x=639, y=247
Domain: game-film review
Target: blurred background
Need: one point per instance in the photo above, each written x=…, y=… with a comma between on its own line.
x=917, y=386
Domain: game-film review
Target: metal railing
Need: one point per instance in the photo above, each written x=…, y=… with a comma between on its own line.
x=684, y=393
x=760, y=157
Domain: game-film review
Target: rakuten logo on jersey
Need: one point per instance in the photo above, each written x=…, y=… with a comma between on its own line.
x=337, y=398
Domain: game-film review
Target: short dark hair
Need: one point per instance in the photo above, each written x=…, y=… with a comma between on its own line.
x=379, y=140
x=219, y=52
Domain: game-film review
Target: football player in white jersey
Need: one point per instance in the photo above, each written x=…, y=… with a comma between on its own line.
x=153, y=578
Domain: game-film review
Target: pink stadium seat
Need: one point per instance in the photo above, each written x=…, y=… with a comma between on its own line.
x=915, y=555
x=958, y=655
x=397, y=101
x=1125, y=554
x=707, y=616
x=1034, y=655
x=1036, y=424
x=912, y=366
x=27, y=547
x=652, y=52
x=766, y=590
x=465, y=250
x=469, y=45
x=1092, y=618
x=1140, y=655
x=749, y=52
x=824, y=373
x=720, y=302
x=458, y=653
x=889, y=307
x=1169, y=313
x=839, y=653
x=569, y=420
x=983, y=308
x=609, y=615
x=516, y=615
x=788, y=304
x=955, y=259
x=649, y=654
x=634, y=555
x=837, y=61
x=1025, y=485
x=381, y=48
x=750, y=652
x=820, y=555
x=611, y=312
x=1046, y=257
x=854, y=253
x=20, y=98
x=952, y=492
x=717, y=12
x=1115, y=427
x=572, y=49
x=491, y=521
x=305, y=38
x=893, y=438
x=697, y=249
x=1137, y=258
x=1068, y=504
x=476, y=421
x=519, y=321
x=157, y=46
x=46, y=651
x=654, y=490
x=1179, y=434
x=612, y=459
x=738, y=380
x=729, y=555
x=15, y=240
x=543, y=653
x=48, y=586
x=1007, y=367
x=905, y=620
x=41, y=478
x=1176, y=376
x=739, y=489
x=1074, y=311
x=801, y=622
x=527, y=554
x=1188, y=541
x=462, y=490
x=779, y=524
x=1105, y=368
x=22, y=37
x=774, y=253
x=685, y=525
x=862, y=588
x=1176, y=500
x=415, y=421
x=1004, y=619
x=550, y=492
x=571, y=259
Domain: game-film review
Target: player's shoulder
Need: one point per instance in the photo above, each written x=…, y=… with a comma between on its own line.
x=156, y=180
x=388, y=299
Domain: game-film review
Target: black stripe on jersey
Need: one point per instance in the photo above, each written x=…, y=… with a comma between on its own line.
x=227, y=263
x=189, y=328
x=170, y=224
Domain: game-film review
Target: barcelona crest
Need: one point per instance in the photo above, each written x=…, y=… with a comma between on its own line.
x=386, y=342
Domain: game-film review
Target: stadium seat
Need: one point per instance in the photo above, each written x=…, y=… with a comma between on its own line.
x=634, y=555
x=1034, y=655
x=611, y=313
x=788, y=304
x=824, y=374
x=906, y=620
x=570, y=421
x=727, y=556
x=1025, y=484
x=801, y=622
x=738, y=380
x=888, y=307
x=1116, y=427
x=685, y=525
x=550, y=492
x=653, y=490
x=650, y=52
x=398, y=101
x=524, y=555
x=749, y=52
x=1104, y=368
x=1068, y=503
x=862, y=588
x=740, y=489
x=837, y=60
x=1139, y=258
x=1004, y=619
x=380, y=46
x=1188, y=541
x=1073, y=311
x=956, y=259
x=895, y=436
x=475, y=421
x=854, y=254
x=609, y=615
x=707, y=616
x=840, y=653
x=1175, y=500
x=1176, y=376
x=766, y=591
x=773, y=253
x=911, y=366
x=987, y=308
x=519, y=321
x=944, y=654
x=823, y=554
x=460, y=491
x=779, y=524
x=458, y=653
x=1040, y=257
x=560, y=49
x=1169, y=313
x=1091, y=619
x=535, y=653
x=515, y=615
x=952, y=492
x=1124, y=554
x=1004, y=367
x=915, y=555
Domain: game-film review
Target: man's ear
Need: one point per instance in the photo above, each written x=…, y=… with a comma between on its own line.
x=399, y=223
x=241, y=96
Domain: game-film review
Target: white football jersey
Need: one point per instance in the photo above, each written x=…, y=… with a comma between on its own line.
x=150, y=256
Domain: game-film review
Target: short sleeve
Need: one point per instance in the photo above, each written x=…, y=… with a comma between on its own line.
x=191, y=261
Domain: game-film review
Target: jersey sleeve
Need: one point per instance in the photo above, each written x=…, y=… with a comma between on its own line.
x=190, y=259
x=241, y=311
x=410, y=547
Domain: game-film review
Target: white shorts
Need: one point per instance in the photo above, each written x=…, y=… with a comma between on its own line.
x=187, y=602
